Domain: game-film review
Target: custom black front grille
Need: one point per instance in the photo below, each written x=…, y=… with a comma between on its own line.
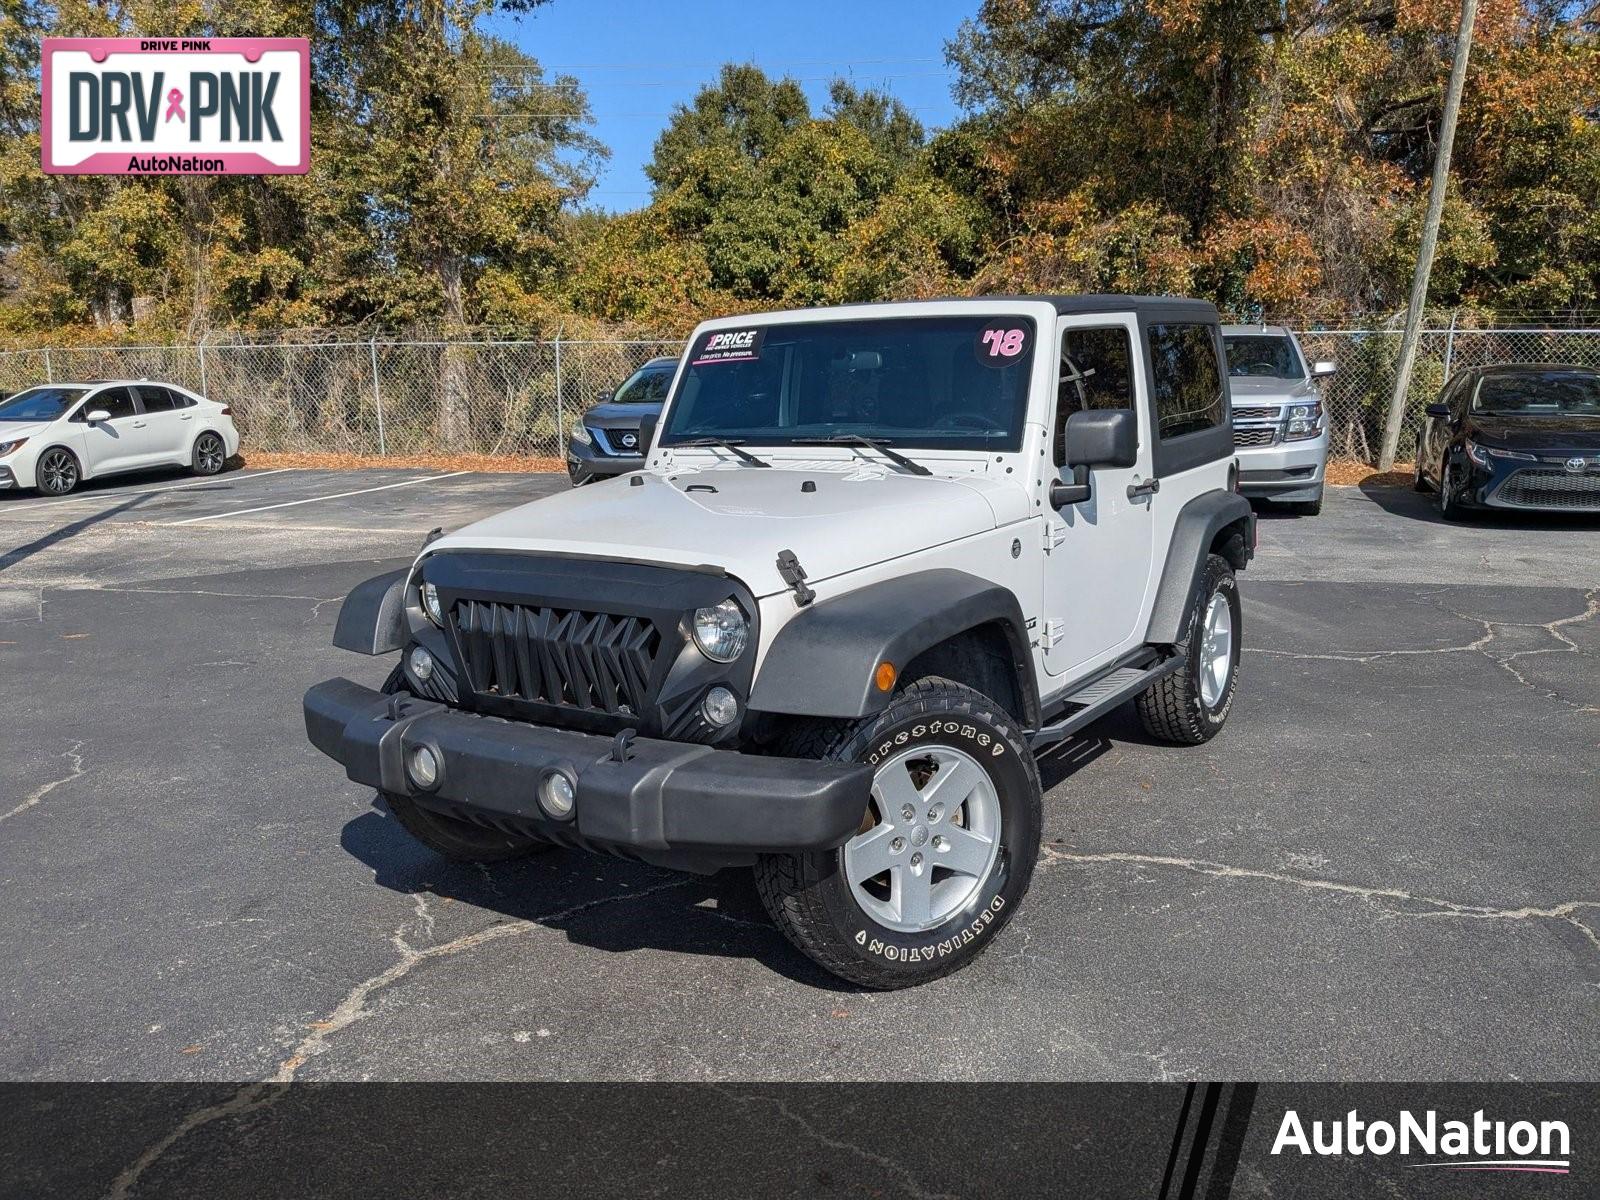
x=1535, y=488
x=598, y=662
x=1255, y=414
x=1255, y=437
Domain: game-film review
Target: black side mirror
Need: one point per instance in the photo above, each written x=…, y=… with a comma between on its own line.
x=1105, y=437
x=647, y=431
x=1438, y=410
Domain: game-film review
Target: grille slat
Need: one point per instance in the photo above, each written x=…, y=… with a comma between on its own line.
x=598, y=662
x=1255, y=437
x=1256, y=413
x=1552, y=489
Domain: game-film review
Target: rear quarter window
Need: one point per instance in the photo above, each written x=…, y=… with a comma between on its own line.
x=1186, y=379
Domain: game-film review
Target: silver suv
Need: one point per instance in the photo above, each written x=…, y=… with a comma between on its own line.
x=1280, y=430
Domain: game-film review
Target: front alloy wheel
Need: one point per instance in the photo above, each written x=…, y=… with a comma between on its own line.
x=56, y=472
x=944, y=853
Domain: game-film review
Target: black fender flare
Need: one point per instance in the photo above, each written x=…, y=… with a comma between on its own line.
x=822, y=663
x=372, y=619
x=1194, y=533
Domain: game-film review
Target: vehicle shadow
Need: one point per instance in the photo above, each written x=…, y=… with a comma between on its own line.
x=61, y=533
x=570, y=891
x=1423, y=506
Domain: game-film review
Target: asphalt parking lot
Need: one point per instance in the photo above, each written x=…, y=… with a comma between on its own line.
x=1384, y=868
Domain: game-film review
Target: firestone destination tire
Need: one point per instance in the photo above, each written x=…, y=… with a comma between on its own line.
x=945, y=852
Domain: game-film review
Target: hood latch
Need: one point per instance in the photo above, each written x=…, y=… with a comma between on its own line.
x=793, y=574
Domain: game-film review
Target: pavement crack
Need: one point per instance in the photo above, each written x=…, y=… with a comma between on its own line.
x=39, y=793
x=352, y=1008
x=1483, y=645
x=1566, y=911
x=908, y=1181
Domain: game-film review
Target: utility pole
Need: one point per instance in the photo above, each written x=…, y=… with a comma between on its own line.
x=1430, y=238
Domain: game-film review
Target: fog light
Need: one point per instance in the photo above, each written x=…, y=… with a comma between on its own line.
x=557, y=795
x=424, y=767
x=421, y=664
x=720, y=706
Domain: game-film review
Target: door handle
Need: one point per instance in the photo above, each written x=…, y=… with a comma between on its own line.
x=138, y=424
x=187, y=417
x=1148, y=488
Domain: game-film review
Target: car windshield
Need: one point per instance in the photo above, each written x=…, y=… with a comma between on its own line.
x=40, y=403
x=1269, y=355
x=647, y=385
x=1539, y=394
x=952, y=382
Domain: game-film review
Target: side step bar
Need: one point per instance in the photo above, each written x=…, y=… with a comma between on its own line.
x=1094, y=700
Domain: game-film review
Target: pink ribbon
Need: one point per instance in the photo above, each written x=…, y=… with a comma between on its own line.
x=175, y=105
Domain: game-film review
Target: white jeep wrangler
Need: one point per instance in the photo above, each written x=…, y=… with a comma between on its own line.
x=880, y=555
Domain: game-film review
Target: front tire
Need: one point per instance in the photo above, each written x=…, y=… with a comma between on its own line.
x=1450, y=506
x=1310, y=508
x=209, y=456
x=1190, y=705
x=57, y=472
x=946, y=848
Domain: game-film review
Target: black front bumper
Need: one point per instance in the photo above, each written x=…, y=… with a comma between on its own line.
x=670, y=803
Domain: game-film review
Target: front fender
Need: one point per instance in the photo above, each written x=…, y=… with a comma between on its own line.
x=372, y=619
x=822, y=663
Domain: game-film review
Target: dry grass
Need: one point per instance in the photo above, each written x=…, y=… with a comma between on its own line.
x=427, y=462
x=1357, y=474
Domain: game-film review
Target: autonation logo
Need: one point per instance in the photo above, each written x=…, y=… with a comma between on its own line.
x=1476, y=1145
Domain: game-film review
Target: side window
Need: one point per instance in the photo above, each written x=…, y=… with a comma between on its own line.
x=156, y=399
x=1096, y=372
x=117, y=401
x=1185, y=379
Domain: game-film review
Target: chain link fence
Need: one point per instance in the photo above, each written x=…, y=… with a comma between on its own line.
x=508, y=397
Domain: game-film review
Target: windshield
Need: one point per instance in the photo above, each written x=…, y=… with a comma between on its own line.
x=647, y=385
x=1268, y=355
x=1539, y=394
x=40, y=403
x=956, y=382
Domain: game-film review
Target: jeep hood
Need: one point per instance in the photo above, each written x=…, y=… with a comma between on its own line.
x=740, y=518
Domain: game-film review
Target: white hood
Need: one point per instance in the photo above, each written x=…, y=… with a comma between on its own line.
x=855, y=517
x=12, y=431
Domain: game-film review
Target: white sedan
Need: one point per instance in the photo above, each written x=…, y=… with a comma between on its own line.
x=55, y=436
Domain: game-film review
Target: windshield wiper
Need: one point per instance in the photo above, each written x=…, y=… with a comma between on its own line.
x=878, y=444
x=730, y=447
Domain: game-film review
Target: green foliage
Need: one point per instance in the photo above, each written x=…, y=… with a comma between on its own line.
x=1270, y=154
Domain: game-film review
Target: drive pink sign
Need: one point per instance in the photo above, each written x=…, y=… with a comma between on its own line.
x=171, y=106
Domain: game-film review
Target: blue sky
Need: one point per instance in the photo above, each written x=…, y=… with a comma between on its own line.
x=638, y=58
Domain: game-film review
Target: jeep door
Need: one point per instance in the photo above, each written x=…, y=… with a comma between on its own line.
x=1099, y=551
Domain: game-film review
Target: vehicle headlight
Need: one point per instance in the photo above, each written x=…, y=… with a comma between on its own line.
x=11, y=447
x=721, y=631
x=1477, y=454
x=431, y=604
x=1305, y=421
x=580, y=433
x=1496, y=452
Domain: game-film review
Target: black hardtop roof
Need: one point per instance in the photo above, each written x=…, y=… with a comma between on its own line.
x=1066, y=306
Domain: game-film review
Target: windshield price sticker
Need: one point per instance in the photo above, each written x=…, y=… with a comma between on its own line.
x=176, y=106
x=1002, y=342
x=730, y=345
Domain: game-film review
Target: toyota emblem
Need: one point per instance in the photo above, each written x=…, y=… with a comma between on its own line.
x=1575, y=466
x=630, y=440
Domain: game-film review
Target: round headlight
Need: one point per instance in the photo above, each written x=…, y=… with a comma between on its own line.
x=421, y=663
x=721, y=631
x=720, y=707
x=431, y=605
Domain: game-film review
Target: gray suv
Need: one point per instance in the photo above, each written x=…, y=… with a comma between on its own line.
x=1280, y=430
x=605, y=442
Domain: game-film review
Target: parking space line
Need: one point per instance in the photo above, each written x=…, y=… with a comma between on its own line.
x=240, y=512
x=177, y=487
